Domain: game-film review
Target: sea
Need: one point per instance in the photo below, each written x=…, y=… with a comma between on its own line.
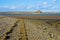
x=42, y=14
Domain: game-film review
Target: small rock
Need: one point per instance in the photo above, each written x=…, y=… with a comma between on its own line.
x=51, y=35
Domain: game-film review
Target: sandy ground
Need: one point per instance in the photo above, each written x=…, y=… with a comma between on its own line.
x=29, y=29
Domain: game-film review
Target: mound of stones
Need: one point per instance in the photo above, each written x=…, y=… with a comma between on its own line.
x=43, y=29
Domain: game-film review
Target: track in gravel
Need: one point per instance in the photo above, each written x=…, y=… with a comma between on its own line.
x=27, y=29
x=12, y=29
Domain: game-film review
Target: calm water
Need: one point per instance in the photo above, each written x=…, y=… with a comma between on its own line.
x=43, y=14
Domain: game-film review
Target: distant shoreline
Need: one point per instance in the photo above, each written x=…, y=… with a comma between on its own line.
x=33, y=16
